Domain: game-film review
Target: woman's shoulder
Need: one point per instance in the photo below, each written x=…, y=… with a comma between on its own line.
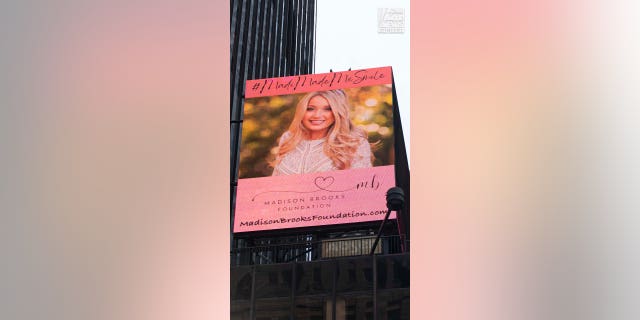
x=363, y=141
x=364, y=147
x=285, y=136
x=360, y=135
x=362, y=156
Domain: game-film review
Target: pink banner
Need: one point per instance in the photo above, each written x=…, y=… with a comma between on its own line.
x=317, y=82
x=322, y=198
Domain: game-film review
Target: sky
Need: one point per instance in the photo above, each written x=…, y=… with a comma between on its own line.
x=347, y=37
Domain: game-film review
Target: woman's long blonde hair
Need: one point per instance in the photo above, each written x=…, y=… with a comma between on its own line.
x=343, y=137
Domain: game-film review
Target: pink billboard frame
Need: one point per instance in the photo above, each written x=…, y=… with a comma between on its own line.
x=321, y=198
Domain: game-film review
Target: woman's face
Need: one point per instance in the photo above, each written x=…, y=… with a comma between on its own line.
x=318, y=117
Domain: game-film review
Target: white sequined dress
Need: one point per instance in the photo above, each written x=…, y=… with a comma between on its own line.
x=309, y=157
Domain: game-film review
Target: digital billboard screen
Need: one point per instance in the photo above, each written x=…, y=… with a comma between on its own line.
x=315, y=150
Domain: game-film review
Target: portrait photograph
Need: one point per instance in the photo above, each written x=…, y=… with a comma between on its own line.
x=318, y=131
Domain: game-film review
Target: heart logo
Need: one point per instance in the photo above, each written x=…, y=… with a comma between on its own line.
x=323, y=182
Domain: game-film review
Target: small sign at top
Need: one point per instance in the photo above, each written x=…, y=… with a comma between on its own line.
x=390, y=20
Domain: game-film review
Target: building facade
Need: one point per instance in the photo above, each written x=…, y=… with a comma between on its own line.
x=317, y=272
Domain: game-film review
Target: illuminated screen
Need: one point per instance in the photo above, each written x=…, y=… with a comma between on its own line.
x=315, y=150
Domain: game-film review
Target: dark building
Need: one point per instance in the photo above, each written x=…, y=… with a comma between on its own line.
x=317, y=272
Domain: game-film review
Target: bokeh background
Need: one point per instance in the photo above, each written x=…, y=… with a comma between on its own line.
x=267, y=118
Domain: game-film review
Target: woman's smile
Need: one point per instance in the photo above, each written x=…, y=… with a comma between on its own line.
x=318, y=117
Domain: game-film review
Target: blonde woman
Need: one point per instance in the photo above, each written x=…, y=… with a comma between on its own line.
x=322, y=137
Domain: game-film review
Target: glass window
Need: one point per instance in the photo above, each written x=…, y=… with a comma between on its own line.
x=393, y=271
x=273, y=309
x=240, y=310
x=354, y=307
x=273, y=281
x=241, y=283
x=355, y=275
x=311, y=308
x=393, y=305
x=314, y=278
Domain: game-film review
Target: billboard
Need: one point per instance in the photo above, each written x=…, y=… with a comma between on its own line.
x=315, y=150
